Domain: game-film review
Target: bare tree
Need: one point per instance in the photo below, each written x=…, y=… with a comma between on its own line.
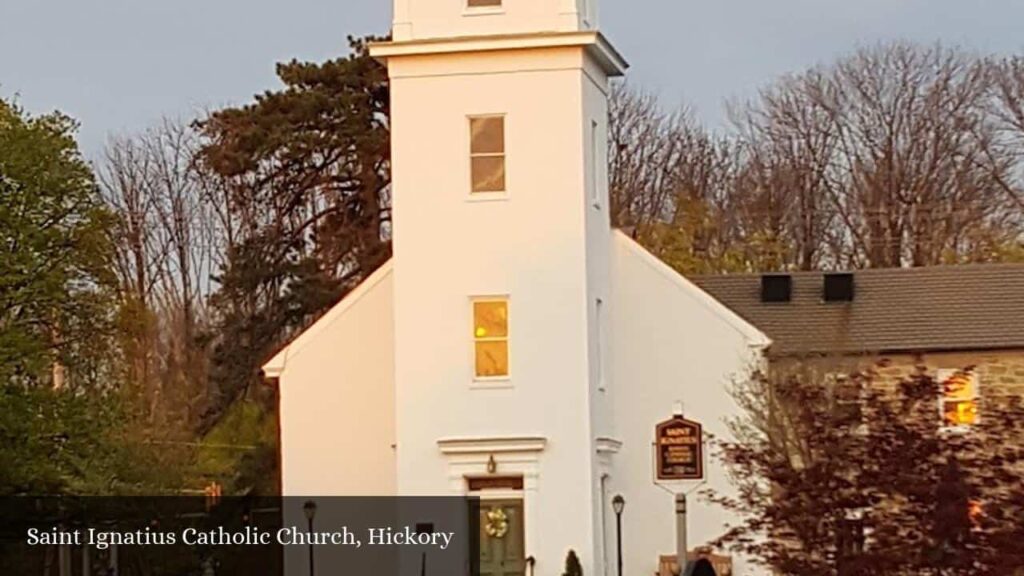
x=788, y=141
x=1009, y=88
x=887, y=158
x=1008, y=81
x=170, y=243
x=917, y=147
x=671, y=183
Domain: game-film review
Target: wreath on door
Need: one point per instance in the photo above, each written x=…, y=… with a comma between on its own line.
x=497, y=523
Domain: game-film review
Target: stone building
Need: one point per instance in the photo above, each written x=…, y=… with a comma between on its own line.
x=948, y=319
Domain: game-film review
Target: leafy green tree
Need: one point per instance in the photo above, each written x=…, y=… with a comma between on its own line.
x=54, y=255
x=48, y=441
x=61, y=415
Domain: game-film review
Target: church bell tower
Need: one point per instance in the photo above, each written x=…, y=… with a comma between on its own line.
x=499, y=115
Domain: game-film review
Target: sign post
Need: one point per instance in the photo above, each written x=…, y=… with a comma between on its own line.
x=679, y=457
x=682, y=548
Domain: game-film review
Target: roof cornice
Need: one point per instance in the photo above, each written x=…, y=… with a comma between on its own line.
x=596, y=44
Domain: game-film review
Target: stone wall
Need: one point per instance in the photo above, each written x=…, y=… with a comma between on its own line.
x=1000, y=372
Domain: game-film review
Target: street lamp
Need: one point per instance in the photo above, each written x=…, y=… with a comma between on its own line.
x=309, y=509
x=618, y=503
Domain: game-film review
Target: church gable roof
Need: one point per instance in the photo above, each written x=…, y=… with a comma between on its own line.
x=685, y=286
x=275, y=366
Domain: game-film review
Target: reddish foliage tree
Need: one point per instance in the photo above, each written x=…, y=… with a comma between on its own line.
x=861, y=475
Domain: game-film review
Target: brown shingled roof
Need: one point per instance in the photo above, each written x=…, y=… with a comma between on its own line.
x=970, y=307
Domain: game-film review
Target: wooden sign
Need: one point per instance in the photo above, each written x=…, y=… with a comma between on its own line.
x=679, y=450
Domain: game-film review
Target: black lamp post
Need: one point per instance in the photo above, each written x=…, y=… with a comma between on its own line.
x=309, y=509
x=618, y=503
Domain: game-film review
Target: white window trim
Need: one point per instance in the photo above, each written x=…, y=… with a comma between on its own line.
x=491, y=382
x=943, y=374
x=483, y=11
x=468, y=10
x=492, y=196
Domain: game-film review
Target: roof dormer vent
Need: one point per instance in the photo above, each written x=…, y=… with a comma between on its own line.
x=838, y=287
x=776, y=288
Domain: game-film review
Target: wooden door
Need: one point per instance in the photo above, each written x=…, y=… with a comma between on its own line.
x=502, y=534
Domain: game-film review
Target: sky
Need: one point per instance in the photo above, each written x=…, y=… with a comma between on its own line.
x=119, y=66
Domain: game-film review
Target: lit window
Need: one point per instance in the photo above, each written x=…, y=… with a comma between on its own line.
x=483, y=3
x=976, y=513
x=959, y=401
x=487, y=153
x=490, y=338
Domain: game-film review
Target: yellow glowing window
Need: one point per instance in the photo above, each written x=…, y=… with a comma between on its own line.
x=490, y=338
x=959, y=402
x=976, y=513
x=487, y=153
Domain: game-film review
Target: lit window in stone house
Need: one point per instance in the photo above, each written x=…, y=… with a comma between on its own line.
x=976, y=513
x=490, y=338
x=959, y=401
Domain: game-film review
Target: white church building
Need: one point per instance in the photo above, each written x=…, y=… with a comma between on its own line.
x=515, y=347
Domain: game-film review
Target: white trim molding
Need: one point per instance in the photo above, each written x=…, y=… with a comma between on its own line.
x=606, y=449
x=607, y=445
x=754, y=337
x=275, y=367
x=489, y=456
x=596, y=44
x=492, y=445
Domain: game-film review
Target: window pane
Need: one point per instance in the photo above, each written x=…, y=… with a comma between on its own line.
x=851, y=537
x=488, y=135
x=961, y=386
x=490, y=319
x=489, y=174
x=963, y=413
x=492, y=359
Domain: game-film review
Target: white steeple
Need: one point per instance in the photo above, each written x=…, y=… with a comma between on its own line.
x=501, y=245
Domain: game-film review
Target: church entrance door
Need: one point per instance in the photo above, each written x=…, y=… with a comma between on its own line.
x=501, y=538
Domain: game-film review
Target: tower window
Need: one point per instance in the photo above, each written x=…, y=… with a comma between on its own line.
x=487, y=153
x=490, y=338
x=483, y=3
